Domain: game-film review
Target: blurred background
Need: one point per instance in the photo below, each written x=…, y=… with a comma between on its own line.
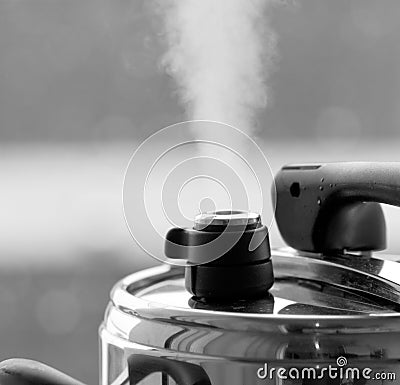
x=81, y=87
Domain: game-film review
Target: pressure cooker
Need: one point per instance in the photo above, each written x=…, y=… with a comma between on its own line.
x=323, y=310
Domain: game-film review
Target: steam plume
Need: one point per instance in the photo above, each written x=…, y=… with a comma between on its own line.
x=219, y=53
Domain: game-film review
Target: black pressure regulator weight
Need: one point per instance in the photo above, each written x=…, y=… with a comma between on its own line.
x=235, y=245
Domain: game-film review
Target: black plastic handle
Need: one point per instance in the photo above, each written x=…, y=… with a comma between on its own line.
x=321, y=207
x=26, y=372
x=183, y=373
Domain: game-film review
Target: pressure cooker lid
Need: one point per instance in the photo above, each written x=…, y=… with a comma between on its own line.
x=305, y=285
x=329, y=213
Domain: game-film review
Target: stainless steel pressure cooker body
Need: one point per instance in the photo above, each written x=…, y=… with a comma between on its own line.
x=324, y=311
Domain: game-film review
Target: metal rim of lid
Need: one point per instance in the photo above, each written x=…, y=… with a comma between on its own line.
x=125, y=295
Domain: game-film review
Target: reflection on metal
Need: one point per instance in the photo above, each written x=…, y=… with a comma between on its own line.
x=365, y=274
x=225, y=218
x=319, y=308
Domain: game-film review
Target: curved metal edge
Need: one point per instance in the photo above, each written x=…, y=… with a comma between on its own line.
x=123, y=297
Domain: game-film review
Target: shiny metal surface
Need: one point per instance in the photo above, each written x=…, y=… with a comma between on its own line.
x=317, y=310
x=376, y=275
x=323, y=292
x=225, y=218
